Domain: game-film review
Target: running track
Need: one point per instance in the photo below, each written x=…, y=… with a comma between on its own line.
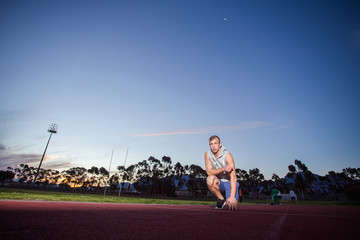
x=74, y=220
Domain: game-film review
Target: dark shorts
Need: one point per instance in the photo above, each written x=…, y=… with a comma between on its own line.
x=225, y=187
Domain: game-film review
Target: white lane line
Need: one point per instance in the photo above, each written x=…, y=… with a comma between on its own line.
x=275, y=228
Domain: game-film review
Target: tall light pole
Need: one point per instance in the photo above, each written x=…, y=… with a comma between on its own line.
x=52, y=129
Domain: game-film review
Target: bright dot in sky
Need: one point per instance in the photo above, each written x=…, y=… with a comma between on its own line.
x=224, y=19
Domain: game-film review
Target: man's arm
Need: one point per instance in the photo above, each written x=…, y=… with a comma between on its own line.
x=211, y=171
x=232, y=202
x=230, y=162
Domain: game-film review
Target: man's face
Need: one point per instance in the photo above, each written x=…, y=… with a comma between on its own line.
x=215, y=145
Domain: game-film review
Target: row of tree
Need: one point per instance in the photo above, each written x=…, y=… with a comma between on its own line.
x=154, y=176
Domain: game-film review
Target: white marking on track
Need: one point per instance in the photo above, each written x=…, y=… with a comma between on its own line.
x=275, y=228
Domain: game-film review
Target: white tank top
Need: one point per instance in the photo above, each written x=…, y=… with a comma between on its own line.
x=220, y=162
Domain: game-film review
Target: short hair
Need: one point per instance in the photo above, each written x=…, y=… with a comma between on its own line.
x=213, y=137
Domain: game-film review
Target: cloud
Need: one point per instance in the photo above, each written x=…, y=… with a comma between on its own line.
x=50, y=161
x=8, y=159
x=213, y=129
x=11, y=159
x=58, y=165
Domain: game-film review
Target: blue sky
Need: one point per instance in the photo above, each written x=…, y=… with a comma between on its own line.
x=276, y=80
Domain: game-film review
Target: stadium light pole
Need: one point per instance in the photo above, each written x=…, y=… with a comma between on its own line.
x=52, y=129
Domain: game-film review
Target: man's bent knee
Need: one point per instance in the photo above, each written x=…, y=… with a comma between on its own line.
x=212, y=181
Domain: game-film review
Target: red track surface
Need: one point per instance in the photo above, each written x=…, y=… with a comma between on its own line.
x=73, y=220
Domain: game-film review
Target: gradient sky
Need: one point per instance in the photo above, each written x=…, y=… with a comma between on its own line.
x=276, y=80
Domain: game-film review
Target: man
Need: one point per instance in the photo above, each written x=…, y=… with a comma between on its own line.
x=275, y=196
x=220, y=168
x=293, y=197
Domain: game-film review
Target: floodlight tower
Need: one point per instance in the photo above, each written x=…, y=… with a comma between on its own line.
x=52, y=129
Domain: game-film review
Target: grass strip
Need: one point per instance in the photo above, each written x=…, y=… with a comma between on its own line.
x=27, y=194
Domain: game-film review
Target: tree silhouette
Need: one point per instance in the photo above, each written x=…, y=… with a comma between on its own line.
x=168, y=186
x=241, y=174
x=197, y=182
x=352, y=173
x=255, y=179
x=179, y=172
x=93, y=177
x=122, y=176
x=75, y=176
x=103, y=176
x=25, y=174
x=302, y=176
x=6, y=176
x=153, y=176
x=275, y=177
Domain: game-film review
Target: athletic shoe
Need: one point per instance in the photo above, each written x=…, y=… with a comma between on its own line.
x=220, y=203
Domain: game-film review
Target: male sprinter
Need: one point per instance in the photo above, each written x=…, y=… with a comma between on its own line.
x=220, y=168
